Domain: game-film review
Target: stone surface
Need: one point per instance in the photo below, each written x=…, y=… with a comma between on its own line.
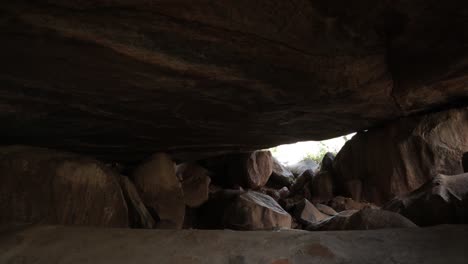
x=45, y=186
x=77, y=245
x=340, y=203
x=281, y=175
x=365, y=219
x=303, y=165
x=321, y=187
x=327, y=162
x=326, y=209
x=139, y=217
x=161, y=190
x=442, y=200
x=255, y=211
x=305, y=212
x=120, y=80
x=249, y=170
x=195, y=183
x=401, y=156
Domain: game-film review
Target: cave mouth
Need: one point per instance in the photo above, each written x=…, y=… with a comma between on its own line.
x=465, y=162
x=293, y=153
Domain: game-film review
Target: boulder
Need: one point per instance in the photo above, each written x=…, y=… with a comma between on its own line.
x=301, y=182
x=306, y=213
x=326, y=209
x=195, y=183
x=327, y=162
x=249, y=170
x=281, y=175
x=399, y=157
x=321, y=187
x=139, y=216
x=303, y=165
x=340, y=203
x=40, y=185
x=210, y=214
x=442, y=200
x=161, y=190
x=365, y=219
x=255, y=211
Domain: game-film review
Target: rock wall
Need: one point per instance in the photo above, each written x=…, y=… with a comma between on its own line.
x=399, y=157
x=45, y=186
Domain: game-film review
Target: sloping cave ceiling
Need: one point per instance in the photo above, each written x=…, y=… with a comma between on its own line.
x=121, y=79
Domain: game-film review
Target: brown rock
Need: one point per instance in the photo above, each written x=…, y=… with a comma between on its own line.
x=321, y=187
x=256, y=211
x=249, y=170
x=306, y=213
x=327, y=162
x=195, y=183
x=39, y=185
x=326, y=209
x=139, y=217
x=443, y=200
x=301, y=182
x=398, y=158
x=340, y=203
x=280, y=176
x=364, y=219
x=161, y=190
x=303, y=165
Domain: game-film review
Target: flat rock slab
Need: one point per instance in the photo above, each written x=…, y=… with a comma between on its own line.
x=58, y=244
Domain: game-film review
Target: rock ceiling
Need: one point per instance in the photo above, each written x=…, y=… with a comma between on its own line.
x=121, y=79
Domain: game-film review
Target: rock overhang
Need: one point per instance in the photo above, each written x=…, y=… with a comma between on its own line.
x=120, y=80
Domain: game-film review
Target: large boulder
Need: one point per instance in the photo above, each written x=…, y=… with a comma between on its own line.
x=327, y=162
x=442, y=200
x=195, y=183
x=340, y=203
x=281, y=175
x=139, y=216
x=321, y=187
x=399, y=157
x=305, y=212
x=161, y=190
x=250, y=170
x=303, y=165
x=364, y=219
x=255, y=211
x=45, y=186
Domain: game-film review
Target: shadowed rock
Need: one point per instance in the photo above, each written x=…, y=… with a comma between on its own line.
x=195, y=183
x=442, y=200
x=40, y=185
x=255, y=211
x=399, y=157
x=364, y=219
x=161, y=190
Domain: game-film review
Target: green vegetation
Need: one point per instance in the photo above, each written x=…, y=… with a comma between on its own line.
x=318, y=156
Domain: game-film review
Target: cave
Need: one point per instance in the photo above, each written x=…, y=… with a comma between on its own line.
x=145, y=131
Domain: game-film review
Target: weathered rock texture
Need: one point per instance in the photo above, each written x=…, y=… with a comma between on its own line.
x=161, y=190
x=120, y=80
x=281, y=175
x=398, y=158
x=365, y=219
x=57, y=244
x=256, y=211
x=139, y=217
x=250, y=170
x=44, y=186
x=443, y=200
x=306, y=213
x=195, y=183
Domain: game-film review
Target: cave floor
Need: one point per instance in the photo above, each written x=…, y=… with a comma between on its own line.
x=71, y=244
